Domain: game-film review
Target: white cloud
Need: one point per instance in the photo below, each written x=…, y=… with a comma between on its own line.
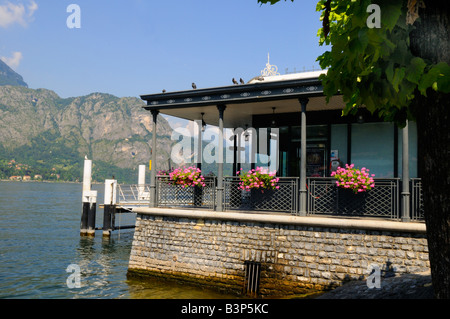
x=14, y=61
x=17, y=13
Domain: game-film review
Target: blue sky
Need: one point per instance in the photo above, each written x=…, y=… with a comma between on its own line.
x=134, y=47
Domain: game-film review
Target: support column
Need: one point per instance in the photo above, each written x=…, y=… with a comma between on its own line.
x=109, y=207
x=234, y=147
x=235, y=198
x=220, y=188
x=89, y=199
x=92, y=213
x=153, y=195
x=198, y=157
x=406, y=214
x=303, y=191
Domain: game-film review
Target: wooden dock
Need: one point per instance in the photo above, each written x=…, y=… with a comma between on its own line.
x=118, y=199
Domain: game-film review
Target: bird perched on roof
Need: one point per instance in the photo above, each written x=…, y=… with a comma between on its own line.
x=234, y=81
x=164, y=91
x=242, y=81
x=194, y=86
x=260, y=78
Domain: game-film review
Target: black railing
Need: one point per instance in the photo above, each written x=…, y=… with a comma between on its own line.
x=283, y=199
x=417, y=212
x=175, y=195
x=323, y=197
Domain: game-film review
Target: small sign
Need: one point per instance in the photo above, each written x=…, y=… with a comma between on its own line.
x=334, y=154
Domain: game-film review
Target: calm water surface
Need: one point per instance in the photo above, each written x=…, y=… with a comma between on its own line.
x=40, y=238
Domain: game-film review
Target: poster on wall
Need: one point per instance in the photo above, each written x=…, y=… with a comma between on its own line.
x=315, y=162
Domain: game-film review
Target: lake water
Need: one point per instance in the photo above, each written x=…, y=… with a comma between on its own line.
x=40, y=238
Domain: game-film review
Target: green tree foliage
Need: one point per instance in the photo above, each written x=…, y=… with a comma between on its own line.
x=373, y=66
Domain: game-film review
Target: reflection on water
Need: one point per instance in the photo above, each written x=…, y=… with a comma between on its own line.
x=100, y=260
x=40, y=238
x=156, y=288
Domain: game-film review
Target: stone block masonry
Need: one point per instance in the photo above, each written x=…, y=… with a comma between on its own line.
x=297, y=254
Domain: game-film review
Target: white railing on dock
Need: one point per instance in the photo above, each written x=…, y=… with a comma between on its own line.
x=133, y=195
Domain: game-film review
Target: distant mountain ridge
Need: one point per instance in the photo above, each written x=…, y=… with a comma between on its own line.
x=9, y=77
x=51, y=135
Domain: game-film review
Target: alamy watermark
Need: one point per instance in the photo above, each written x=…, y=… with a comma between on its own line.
x=374, y=279
x=250, y=146
x=74, y=279
x=374, y=19
x=74, y=19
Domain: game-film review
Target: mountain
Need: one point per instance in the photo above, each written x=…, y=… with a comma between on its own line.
x=9, y=77
x=50, y=136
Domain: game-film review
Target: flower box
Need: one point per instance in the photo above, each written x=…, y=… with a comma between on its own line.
x=357, y=180
x=258, y=178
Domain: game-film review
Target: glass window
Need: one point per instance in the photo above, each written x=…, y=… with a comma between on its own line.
x=373, y=148
x=339, y=142
x=316, y=132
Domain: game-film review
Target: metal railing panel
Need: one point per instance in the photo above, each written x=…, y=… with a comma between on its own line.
x=283, y=199
x=321, y=196
x=324, y=197
x=417, y=211
x=383, y=200
x=133, y=194
x=173, y=195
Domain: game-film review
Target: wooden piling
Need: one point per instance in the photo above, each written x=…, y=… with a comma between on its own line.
x=109, y=207
x=92, y=213
x=84, y=218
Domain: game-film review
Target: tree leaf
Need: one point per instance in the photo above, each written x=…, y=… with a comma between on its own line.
x=390, y=71
x=443, y=78
x=399, y=74
x=389, y=15
x=428, y=79
x=415, y=70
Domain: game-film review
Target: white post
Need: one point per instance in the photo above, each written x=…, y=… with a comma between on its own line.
x=89, y=199
x=87, y=179
x=110, y=191
x=141, y=177
x=142, y=194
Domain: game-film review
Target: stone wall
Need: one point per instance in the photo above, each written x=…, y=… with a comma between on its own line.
x=297, y=254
